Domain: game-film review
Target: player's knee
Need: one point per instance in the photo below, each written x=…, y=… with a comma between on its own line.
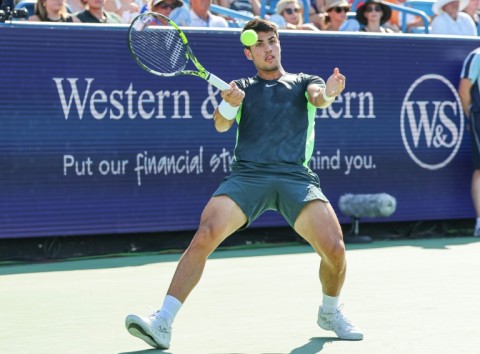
x=205, y=241
x=334, y=253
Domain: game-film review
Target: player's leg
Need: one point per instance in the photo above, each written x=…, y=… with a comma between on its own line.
x=220, y=218
x=475, y=185
x=475, y=190
x=317, y=223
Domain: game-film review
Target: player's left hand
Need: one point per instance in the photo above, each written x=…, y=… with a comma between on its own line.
x=335, y=84
x=233, y=96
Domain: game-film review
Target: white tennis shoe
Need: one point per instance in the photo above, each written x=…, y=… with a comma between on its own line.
x=338, y=323
x=152, y=330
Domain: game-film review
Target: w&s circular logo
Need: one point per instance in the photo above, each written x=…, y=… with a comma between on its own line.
x=431, y=121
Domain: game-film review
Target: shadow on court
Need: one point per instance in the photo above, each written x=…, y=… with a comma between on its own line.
x=315, y=345
x=260, y=250
x=148, y=351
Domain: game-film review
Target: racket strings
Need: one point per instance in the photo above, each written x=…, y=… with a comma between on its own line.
x=160, y=49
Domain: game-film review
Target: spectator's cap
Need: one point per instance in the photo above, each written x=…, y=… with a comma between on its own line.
x=438, y=6
x=282, y=4
x=386, y=11
x=178, y=3
x=330, y=4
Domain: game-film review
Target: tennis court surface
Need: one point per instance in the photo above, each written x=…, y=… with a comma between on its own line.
x=409, y=297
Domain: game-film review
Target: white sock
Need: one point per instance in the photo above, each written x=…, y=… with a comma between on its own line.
x=330, y=303
x=169, y=309
x=478, y=223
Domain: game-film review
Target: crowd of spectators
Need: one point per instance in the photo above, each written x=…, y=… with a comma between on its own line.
x=455, y=17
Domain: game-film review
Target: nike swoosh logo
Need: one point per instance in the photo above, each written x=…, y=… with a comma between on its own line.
x=270, y=85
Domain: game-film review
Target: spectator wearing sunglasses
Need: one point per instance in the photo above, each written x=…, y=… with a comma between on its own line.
x=451, y=19
x=164, y=7
x=335, y=14
x=289, y=15
x=373, y=14
x=173, y=9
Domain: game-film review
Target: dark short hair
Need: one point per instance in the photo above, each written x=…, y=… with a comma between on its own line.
x=261, y=25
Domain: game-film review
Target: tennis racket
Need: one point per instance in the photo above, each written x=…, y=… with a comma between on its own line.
x=160, y=47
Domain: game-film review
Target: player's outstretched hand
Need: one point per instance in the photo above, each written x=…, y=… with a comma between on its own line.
x=233, y=96
x=335, y=83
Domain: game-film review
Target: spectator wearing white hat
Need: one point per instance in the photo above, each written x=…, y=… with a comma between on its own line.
x=451, y=20
x=173, y=9
x=164, y=7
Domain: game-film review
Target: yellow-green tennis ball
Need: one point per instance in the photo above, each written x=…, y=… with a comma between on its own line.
x=249, y=38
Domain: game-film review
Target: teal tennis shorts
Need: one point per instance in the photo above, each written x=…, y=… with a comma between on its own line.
x=256, y=191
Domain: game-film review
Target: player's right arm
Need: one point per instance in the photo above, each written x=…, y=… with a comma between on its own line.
x=225, y=113
x=464, y=93
x=469, y=75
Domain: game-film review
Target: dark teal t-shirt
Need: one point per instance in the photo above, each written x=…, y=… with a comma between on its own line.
x=471, y=70
x=276, y=122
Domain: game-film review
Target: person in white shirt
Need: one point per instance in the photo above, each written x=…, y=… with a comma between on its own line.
x=200, y=15
x=451, y=20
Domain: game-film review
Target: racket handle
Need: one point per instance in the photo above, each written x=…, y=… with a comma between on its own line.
x=217, y=82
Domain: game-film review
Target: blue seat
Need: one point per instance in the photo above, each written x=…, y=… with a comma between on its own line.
x=355, y=4
x=28, y=4
x=426, y=6
x=239, y=18
x=422, y=5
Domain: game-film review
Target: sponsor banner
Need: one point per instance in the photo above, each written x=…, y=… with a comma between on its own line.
x=92, y=144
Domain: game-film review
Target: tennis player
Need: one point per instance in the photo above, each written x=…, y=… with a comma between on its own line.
x=469, y=92
x=275, y=114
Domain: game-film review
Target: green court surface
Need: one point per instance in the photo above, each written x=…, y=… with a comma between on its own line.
x=409, y=297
